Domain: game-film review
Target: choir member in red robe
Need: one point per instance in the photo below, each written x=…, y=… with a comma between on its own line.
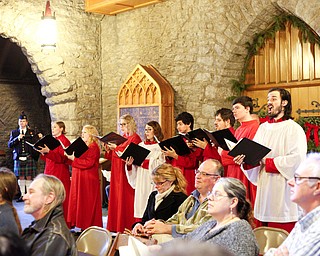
x=121, y=197
x=85, y=207
x=57, y=162
x=242, y=110
x=187, y=163
x=224, y=119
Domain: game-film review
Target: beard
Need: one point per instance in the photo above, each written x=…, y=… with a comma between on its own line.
x=30, y=209
x=274, y=112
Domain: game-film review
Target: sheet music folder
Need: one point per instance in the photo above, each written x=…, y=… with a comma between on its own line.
x=218, y=138
x=112, y=137
x=253, y=151
x=199, y=134
x=137, y=152
x=78, y=147
x=177, y=143
x=47, y=140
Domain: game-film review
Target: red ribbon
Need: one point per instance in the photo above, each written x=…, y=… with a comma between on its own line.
x=315, y=129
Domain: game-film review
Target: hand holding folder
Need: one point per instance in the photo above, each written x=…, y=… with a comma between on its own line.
x=252, y=150
x=78, y=147
x=47, y=140
x=135, y=151
x=177, y=143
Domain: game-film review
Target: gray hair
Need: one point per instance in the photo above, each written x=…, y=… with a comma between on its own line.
x=51, y=184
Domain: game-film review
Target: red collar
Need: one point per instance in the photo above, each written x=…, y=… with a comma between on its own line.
x=272, y=120
x=148, y=142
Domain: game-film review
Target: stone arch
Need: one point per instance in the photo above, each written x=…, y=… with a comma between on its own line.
x=19, y=23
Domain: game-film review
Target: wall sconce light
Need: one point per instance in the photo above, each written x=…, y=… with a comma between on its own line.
x=48, y=28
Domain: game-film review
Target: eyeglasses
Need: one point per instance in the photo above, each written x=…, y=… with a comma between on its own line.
x=215, y=196
x=299, y=179
x=123, y=124
x=205, y=174
x=159, y=183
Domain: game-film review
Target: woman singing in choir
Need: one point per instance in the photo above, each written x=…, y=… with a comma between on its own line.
x=121, y=198
x=140, y=177
x=85, y=207
x=57, y=162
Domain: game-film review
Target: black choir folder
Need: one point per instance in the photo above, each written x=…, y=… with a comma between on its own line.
x=112, y=137
x=217, y=137
x=137, y=152
x=252, y=150
x=47, y=140
x=78, y=147
x=177, y=143
x=199, y=134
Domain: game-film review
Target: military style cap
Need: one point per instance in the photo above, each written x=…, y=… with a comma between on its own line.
x=23, y=115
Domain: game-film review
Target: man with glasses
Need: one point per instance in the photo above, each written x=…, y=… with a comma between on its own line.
x=304, y=239
x=193, y=211
x=288, y=145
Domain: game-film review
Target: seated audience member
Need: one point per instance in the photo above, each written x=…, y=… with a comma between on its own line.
x=170, y=193
x=193, y=211
x=191, y=248
x=232, y=215
x=48, y=234
x=304, y=239
x=11, y=244
x=9, y=220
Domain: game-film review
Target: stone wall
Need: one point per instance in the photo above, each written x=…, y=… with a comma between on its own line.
x=197, y=45
x=17, y=98
x=70, y=76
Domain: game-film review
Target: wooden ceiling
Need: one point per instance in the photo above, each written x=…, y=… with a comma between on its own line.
x=112, y=7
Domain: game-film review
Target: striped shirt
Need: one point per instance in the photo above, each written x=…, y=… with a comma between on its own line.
x=304, y=239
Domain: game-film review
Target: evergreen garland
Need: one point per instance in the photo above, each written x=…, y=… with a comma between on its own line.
x=238, y=86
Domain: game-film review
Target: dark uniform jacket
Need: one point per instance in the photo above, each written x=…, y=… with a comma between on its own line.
x=17, y=145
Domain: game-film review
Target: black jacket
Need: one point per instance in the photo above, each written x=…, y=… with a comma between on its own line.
x=50, y=236
x=166, y=208
x=16, y=145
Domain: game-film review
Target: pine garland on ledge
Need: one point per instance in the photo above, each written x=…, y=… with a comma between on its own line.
x=238, y=86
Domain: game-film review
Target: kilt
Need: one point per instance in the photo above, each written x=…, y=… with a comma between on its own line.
x=29, y=168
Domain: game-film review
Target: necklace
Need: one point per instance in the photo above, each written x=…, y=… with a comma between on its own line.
x=224, y=223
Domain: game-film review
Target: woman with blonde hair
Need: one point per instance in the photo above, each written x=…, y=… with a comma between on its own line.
x=121, y=197
x=85, y=207
x=9, y=220
x=57, y=162
x=170, y=193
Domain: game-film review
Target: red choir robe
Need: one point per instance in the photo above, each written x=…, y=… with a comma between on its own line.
x=188, y=163
x=85, y=208
x=211, y=152
x=121, y=197
x=57, y=165
x=246, y=130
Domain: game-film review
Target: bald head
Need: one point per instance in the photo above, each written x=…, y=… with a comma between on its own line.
x=207, y=175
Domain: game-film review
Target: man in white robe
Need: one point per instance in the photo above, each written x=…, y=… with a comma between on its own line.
x=288, y=145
